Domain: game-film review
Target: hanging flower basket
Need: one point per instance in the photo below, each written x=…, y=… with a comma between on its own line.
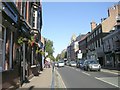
x=20, y=40
x=31, y=41
x=40, y=51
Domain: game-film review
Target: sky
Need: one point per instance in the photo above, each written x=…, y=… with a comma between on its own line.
x=63, y=19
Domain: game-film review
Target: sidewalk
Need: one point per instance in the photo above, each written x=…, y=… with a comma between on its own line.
x=111, y=70
x=42, y=81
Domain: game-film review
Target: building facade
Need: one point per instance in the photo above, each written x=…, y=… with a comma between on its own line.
x=95, y=38
x=112, y=49
x=16, y=41
x=83, y=46
x=73, y=48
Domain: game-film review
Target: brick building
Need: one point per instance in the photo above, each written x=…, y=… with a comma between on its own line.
x=18, y=30
x=95, y=38
x=112, y=48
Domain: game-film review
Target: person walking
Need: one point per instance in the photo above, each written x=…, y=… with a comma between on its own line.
x=53, y=65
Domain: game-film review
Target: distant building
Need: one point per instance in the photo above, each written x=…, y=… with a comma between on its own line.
x=83, y=46
x=73, y=48
x=95, y=38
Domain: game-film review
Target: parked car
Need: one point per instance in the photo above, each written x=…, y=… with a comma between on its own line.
x=91, y=65
x=61, y=63
x=80, y=63
x=67, y=63
x=73, y=64
x=56, y=64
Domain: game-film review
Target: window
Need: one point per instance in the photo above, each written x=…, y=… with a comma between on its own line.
x=24, y=9
x=7, y=52
x=96, y=44
x=99, y=30
x=99, y=42
x=93, y=35
x=118, y=27
x=2, y=47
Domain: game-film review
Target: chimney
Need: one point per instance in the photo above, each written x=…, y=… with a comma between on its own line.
x=102, y=19
x=93, y=25
x=112, y=11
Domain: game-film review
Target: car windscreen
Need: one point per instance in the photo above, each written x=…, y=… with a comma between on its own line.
x=73, y=62
x=61, y=62
x=93, y=62
x=81, y=62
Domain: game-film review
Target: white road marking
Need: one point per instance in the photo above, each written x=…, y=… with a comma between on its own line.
x=86, y=73
x=106, y=82
x=116, y=73
x=73, y=68
x=77, y=69
x=64, y=86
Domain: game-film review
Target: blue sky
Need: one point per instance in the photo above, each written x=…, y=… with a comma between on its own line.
x=62, y=20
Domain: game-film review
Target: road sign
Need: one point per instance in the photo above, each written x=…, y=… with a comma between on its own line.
x=79, y=55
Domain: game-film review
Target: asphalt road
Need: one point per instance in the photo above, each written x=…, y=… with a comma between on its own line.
x=77, y=78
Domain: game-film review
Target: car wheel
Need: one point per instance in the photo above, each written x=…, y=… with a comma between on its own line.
x=88, y=69
x=99, y=70
x=84, y=68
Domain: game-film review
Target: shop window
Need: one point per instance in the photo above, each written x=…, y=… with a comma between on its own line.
x=2, y=47
x=7, y=55
x=8, y=51
x=99, y=30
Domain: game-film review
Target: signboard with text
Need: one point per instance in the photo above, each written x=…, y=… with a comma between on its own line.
x=79, y=55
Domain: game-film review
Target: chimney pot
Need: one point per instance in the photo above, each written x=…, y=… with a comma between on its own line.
x=93, y=25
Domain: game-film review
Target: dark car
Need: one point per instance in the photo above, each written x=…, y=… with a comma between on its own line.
x=80, y=64
x=91, y=65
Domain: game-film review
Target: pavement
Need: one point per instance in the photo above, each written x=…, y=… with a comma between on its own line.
x=117, y=72
x=46, y=79
x=49, y=78
x=42, y=81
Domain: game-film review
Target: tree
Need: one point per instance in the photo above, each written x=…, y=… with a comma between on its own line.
x=58, y=57
x=49, y=48
x=64, y=54
x=52, y=57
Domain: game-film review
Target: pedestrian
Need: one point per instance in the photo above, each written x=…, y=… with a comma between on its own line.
x=45, y=64
x=53, y=65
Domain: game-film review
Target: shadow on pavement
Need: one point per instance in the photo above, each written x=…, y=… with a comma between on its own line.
x=31, y=88
x=112, y=68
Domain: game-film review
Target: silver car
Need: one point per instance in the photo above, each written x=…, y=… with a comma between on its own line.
x=91, y=65
x=73, y=64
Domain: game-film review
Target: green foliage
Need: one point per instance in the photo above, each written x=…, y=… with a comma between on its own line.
x=52, y=57
x=40, y=51
x=49, y=47
x=63, y=54
x=58, y=57
x=20, y=40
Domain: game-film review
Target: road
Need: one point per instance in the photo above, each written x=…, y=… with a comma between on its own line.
x=76, y=78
